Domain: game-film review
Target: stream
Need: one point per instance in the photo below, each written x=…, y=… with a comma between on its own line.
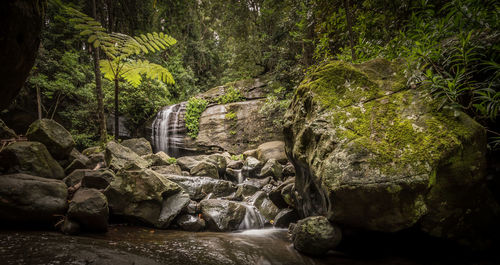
x=140, y=245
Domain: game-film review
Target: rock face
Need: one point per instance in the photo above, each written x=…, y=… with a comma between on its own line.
x=315, y=235
x=30, y=158
x=140, y=146
x=21, y=26
x=58, y=140
x=223, y=127
x=371, y=154
x=30, y=199
x=89, y=208
x=139, y=195
x=199, y=187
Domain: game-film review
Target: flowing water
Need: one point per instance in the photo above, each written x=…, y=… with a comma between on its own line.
x=168, y=129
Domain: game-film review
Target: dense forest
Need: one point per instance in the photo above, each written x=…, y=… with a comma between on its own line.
x=450, y=47
x=280, y=131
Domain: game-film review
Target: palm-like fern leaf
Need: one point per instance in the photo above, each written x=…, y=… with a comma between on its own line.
x=133, y=71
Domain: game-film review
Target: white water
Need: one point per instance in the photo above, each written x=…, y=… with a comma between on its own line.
x=168, y=129
x=253, y=219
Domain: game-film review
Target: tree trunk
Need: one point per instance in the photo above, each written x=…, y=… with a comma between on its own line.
x=116, y=109
x=349, y=28
x=39, y=102
x=98, y=87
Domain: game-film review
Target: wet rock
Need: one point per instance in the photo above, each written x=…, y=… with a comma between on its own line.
x=169, y=170
x=89, y=208
x=257, y=182
x=272, y=169
x=245, y=190
x=205, y=169
x=315, y=235
x=172, y=206
x=185, y=173
x=97, y=179
x=265, y=206
x=188, y=162
x=222, y=215
x=158, y=159
x=191, y=208
x=272, y=150
x=235, y=164
x=234, y=175
x=30, y=158
x=251, y=167
x=31, y=199
x=118, y=157
x=75, y=177
x=199, y=187
x=58, y=140
x=140, y=146
x=288, y=195
x=219, y=161
x=70, y=227
x=285, y=217
x=138, y=195
x=383, y=158
x=190, y=222
x=6, y=132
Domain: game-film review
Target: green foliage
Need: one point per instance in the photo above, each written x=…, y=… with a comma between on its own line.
x=230, y=116
x=237, y=157
x=172, y=160
x=231, y=94
x=194, y=108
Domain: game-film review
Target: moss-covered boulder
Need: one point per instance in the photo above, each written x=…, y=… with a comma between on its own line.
x=140, y=196
x=30, y=158
x=58, y=140
x=373, y=154
x=140, y=146
x=118, y=157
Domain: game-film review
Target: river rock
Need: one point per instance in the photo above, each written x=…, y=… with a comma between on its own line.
x=75, y=177
x=140, y=146
x=288, y=193
x=138, y=195
x=70, y=227
x=158, y=159
x=168, y=170
x=30, y=158
x=222, y=215
x=97, y=160
x=199, y=187
x=245, y=190
x=31, y=199
x=89, y=208
x=190, y=222
x=6, y=132
x=235, y=164
x=272, y=169
x=118, y=157
x=58, y=140
x=272, y=150
x=97, y=179
x=265, y=206
x=371, y=154
x=285, y=217
x=205, y=169
x=276, y=193
x=288, y=170
x=251, y=167
x=74, y=165
x=315, y=235
x=171, y=207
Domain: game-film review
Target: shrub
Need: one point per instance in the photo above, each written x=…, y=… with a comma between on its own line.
x=194, y=108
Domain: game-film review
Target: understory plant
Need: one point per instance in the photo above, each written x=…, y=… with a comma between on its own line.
x=194, y=109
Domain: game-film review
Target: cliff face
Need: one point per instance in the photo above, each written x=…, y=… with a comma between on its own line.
x=21, y=22
x=372, y=154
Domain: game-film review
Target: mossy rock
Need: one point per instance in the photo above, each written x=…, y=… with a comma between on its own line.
x=6, y=132
x=373, y=154
x=58, y=140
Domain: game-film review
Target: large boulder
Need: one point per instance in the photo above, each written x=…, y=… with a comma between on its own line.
x=315, y=235
x=158, y=159
x=265, y=206
x=190, y=222
x=205, y=169
x=272, y=169
x=6, y=132
x=58, y=140
x=97, y=179
x=30, y=158
x=222, y=215
x=199, y=187
x=172, y=206
x=371, y=154
x=29, y=199
x=140, y=196
x=89, y=208
x=140, y=146
x=119, y=156
x=272, y=150
x=251, y=167
x=21, y=22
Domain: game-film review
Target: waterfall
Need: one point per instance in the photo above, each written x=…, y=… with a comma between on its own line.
x=169, y=129
x=253, y=219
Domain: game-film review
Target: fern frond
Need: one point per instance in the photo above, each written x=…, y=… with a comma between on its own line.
x=134, y=70
x=108, y=69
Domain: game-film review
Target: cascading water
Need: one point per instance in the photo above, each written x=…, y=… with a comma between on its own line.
x=253, y=219
x=169, y=129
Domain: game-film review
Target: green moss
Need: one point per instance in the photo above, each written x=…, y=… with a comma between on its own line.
x=372, y=111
